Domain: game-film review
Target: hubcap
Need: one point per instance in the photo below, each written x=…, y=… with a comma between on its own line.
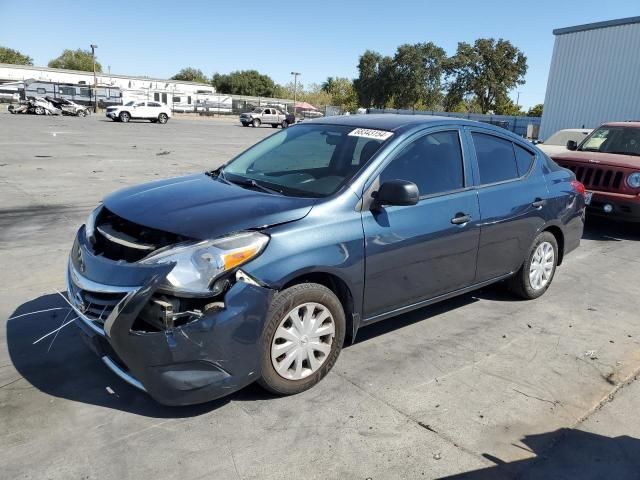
x=542, y=265
x=302, y=342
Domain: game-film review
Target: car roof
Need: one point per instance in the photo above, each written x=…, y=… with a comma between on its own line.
x=395, y=122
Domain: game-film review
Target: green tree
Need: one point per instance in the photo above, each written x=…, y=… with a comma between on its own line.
x=14, y=57
x=505, y=106
x=417, y=77
x=75, y=60
x=328, y=84
x=342, y=93
x=190, y=74
x=487, y=69
x=245, y=82
x=536, y=110
x=366, y=83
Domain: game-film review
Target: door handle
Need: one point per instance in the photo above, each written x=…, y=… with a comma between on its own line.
x=538, y=203
x=461, y=219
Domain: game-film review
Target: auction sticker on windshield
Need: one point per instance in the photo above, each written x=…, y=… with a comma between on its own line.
x=370, y=133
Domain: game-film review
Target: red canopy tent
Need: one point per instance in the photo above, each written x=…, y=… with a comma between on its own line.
x=304, y=106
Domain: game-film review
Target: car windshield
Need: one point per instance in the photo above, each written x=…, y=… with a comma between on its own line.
x=128, y=104
x=256, y=110
x=563, y=136
x=620, y=140
x=307, y=160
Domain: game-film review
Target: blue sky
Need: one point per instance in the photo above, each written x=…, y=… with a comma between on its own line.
x=317, y=38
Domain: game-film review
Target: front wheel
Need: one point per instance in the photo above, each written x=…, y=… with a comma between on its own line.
x=284, y=124
x=82, y=113
x=124, y=117
x=39, y=111
x=536, y=274
x=256, y=122
x=163, y=118
x=302, y=338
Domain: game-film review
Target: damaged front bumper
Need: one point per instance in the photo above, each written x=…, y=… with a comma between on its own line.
x=207, y=357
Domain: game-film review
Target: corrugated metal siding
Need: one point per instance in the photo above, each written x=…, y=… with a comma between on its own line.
x=594, y=78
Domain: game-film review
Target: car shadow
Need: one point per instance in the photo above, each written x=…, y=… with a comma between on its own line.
x=566, y=454
x=62, y=366
x=603, y=229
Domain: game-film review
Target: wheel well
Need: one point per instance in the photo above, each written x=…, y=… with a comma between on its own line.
x=337, y=286
x=556, y=232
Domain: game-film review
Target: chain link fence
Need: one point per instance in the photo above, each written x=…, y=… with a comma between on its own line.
x=224, y=104
x=523, y=126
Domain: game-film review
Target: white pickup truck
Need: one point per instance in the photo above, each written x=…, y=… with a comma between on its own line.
x=267, y=116
x=154, y=111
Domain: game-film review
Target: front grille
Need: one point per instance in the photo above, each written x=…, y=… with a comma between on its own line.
x=601, y=178
x=97, y=306
x=119, y=239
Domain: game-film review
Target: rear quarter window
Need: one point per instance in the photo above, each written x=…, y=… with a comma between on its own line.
x=524, y=159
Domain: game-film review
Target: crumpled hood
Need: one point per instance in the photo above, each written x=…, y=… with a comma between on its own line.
x=201, y=207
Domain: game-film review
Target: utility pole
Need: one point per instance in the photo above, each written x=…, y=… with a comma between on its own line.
x=295, y=90
x=95, y=79
x=518, y=99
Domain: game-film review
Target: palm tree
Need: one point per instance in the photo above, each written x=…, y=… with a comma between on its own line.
x=328, y=84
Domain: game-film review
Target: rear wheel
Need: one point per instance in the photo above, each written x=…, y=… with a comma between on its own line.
x=536, y=274
x=256, y=122
x=124, y=117
x=163, y=118
x=302, y=338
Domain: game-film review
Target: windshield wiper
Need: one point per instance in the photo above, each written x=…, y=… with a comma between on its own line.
x=218, y=174
x=589, y=150
x=250, y=182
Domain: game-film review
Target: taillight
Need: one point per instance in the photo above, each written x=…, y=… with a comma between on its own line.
x=578, y=187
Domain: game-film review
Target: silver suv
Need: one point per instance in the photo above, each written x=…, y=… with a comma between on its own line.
x=270, y=116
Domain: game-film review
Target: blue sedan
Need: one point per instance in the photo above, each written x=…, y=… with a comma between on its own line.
x=191, y=288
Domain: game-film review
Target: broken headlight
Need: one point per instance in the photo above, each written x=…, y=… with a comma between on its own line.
x=199, y=264
x=90, y=224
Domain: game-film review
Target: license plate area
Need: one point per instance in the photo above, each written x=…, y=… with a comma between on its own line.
x=587, y=198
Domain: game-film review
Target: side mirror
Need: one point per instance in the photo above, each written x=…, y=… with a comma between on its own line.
x=397, y=192
x=572, y=145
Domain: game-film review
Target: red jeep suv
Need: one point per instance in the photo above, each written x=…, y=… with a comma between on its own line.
x=607, y=162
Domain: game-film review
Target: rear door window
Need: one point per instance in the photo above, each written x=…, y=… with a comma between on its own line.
x=496, y=158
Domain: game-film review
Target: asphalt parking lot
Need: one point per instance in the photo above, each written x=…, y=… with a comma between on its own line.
x=481, y=386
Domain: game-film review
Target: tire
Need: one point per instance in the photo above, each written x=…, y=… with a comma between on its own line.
x=300, y=374
x=284, y=124
x=256, y=122
x=524, y=282
x=82, y=113
x=163, y=118
x=39, y=111
x=124, y=117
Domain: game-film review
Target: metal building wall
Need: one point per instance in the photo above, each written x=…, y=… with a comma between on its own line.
x=594, y=78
